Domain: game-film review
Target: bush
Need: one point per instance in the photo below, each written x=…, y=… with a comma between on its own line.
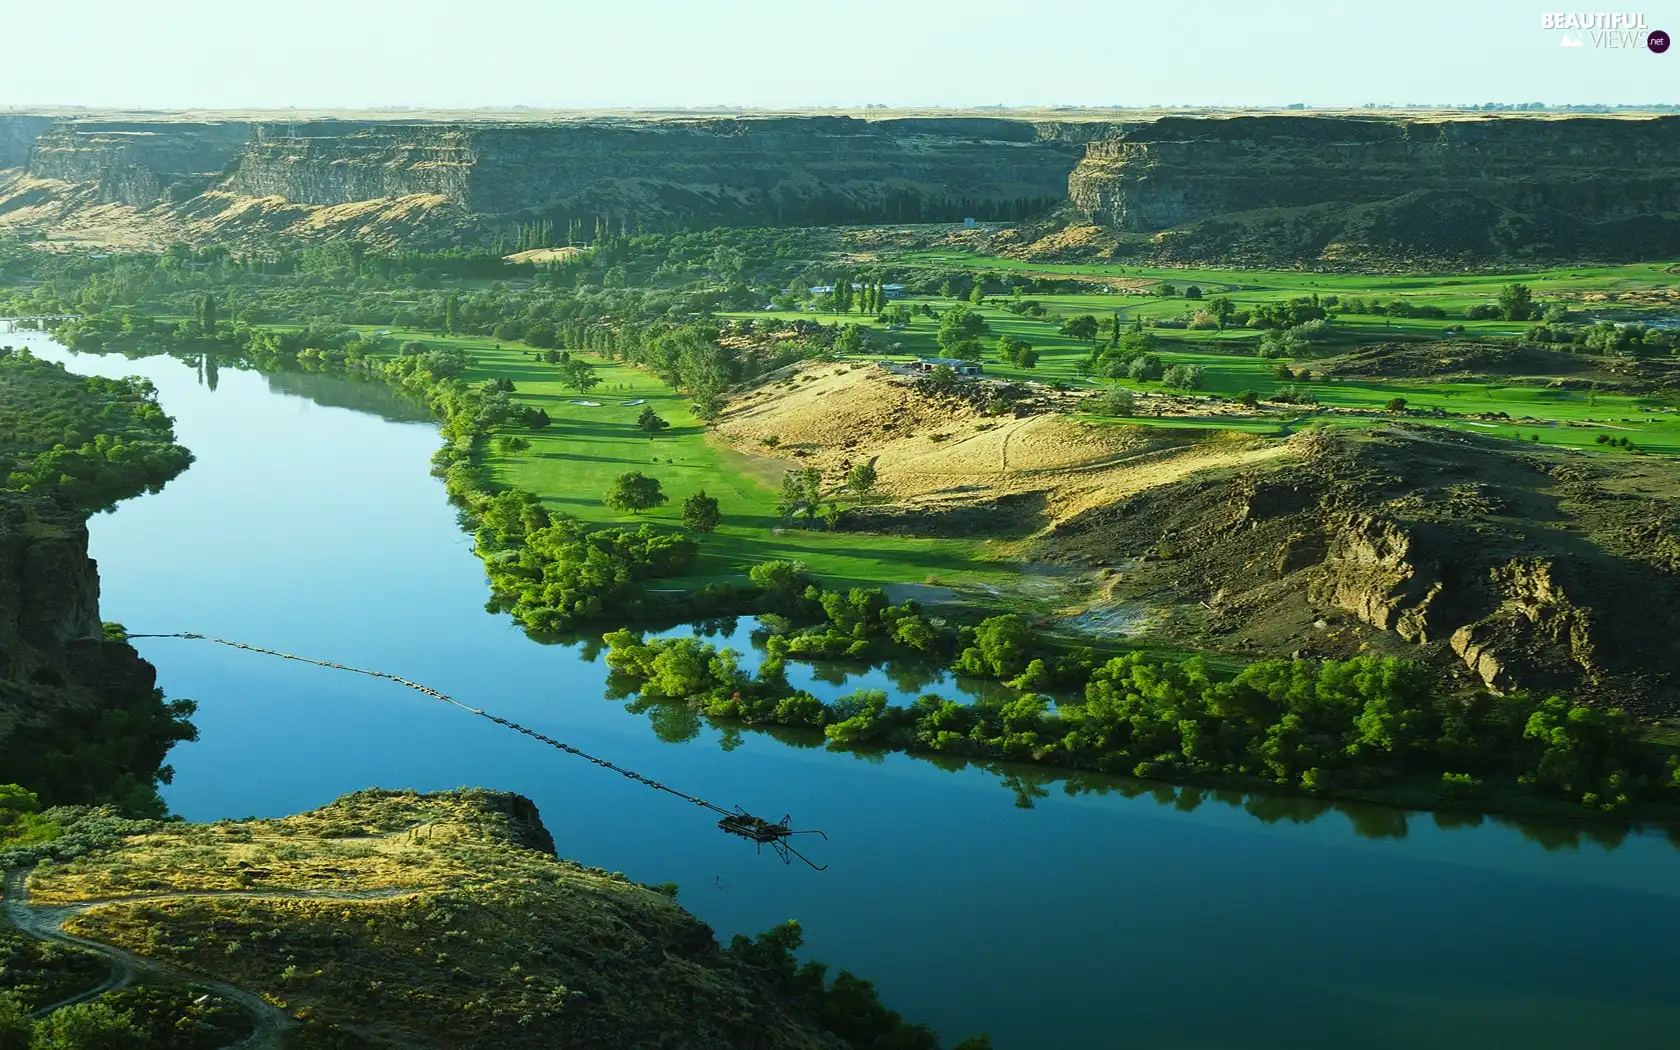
x=1183, y=377
x=1116, y=401
x=1145, y=369
x=700, y=512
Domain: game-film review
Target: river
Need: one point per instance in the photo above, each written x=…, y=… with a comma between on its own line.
x=1118, y=918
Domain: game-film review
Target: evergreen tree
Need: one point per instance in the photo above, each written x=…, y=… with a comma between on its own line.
x=451, y=315
x=207, y=315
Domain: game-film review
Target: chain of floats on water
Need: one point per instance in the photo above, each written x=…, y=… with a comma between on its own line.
x=532, y=733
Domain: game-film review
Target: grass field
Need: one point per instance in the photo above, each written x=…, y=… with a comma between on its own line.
x=1557, y=416
x=571, y=463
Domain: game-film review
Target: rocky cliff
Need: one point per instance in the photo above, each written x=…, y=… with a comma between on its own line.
x=80, y=717
x=1507, y=570
x=141, y=164
x=1319, y=186
x=801, y=169
x=1278, y=189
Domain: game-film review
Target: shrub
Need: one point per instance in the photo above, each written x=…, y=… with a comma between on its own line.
x=1183, y=377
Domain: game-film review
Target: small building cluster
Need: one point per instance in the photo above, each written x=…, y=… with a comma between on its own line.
x=962, y=368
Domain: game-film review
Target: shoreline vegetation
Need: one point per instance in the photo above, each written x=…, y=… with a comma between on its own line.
x=81, y=719
x=1364, y=728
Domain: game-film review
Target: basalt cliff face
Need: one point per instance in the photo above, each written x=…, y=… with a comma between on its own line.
x=80, y=719
x=1321, y=187
x=1252, y=188
x=453, y=181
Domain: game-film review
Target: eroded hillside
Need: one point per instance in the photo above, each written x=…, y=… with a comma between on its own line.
x=1508, y=567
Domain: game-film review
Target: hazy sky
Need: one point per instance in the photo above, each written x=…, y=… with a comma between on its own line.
x=644, y=53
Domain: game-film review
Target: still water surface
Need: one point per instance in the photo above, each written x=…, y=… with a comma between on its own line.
x=309, y=524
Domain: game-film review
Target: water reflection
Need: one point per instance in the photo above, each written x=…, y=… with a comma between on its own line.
x=905, y=680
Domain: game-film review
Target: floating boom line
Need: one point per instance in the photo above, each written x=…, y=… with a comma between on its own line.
x=759, y=831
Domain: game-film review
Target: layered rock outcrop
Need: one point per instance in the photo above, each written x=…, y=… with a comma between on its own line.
x=67, y=691
x=1249, y=189
x=797, y=169
x=1281, y=190
x=141, y=164
x=1178, y=170
x=1512, y=570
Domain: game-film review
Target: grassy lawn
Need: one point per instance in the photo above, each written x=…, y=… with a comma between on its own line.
x=571, y=463
x=1651, y=423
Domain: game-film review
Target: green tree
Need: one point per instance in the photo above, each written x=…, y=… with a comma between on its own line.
x=1002, y=646
x=1145, y=369
x=961, y=322
x=1183, y=377
x=1193, y=292
x=1516, y=302
x=650, y=422
x=977, y=294
x=700, y=512
x=1009, y=348
x=451, y=315
x=861, y=478
x=88, y=1026
x=15, y=1029
x=635, y=492
x=801, y=492
x=850, y=339
x=1116, y=401
x=1221, y=308
x=579, y=375
x=207, y=315
x=1083, y=327
x=783, y=582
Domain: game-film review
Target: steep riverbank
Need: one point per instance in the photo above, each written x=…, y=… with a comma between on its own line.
x=81, y=719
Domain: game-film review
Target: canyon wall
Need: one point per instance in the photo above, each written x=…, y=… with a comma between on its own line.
x=1178, y=170
x=795, y=169
x=141, y=163
x=1220, y=187
x=80, y=717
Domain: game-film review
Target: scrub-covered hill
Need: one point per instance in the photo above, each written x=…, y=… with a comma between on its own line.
x=392, y=919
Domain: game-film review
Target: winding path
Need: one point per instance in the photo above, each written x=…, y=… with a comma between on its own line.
x=46, y=922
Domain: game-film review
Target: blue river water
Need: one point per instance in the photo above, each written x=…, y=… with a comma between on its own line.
x=1129, y=916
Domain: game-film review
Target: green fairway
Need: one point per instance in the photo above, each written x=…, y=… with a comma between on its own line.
x=1557, y=416
x=573, y=460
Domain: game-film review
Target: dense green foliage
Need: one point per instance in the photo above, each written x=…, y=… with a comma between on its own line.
x=115, y=755
x=1316, y=726
x=847, y=1006
x=133, y=1018
x=84, y=440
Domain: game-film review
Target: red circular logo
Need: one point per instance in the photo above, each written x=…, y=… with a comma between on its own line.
x=1657, y=41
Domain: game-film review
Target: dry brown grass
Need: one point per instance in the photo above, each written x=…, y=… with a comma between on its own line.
x=931, y=453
